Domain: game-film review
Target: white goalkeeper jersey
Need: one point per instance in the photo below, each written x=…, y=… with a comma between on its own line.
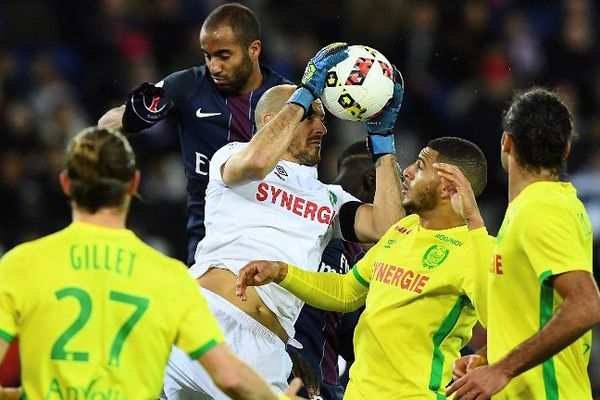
x=289, y=216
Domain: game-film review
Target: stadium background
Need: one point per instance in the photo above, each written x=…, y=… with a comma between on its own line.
x=63, y=63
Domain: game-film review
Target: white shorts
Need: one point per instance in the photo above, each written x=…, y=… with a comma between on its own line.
x=248, y=339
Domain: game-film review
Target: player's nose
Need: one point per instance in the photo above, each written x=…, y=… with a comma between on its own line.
x=319, y=127
x=215, y=66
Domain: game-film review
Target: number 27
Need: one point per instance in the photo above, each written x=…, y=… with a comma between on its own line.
x=85, y=304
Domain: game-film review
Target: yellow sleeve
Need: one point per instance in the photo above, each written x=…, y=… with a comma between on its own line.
x=199, y=330
x=554, y=242
x=476, y=275
x=12, y=286
x=324, y=290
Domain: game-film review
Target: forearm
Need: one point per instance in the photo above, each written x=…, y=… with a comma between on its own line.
x=374, y=221
x=325, y=290
x=250, y=386
x=569, y=323
x=272, y=141
x=265, y=149
x=233, y=376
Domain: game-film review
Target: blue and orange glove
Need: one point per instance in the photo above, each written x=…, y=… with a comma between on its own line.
x=315, y=74
x=380, y=140
x=145, y=106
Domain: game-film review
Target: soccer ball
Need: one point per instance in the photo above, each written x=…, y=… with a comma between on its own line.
x=360, y=86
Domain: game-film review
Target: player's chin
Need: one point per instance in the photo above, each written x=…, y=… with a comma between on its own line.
x=225, y=87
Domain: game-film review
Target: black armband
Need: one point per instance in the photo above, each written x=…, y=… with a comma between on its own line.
x=347, y=216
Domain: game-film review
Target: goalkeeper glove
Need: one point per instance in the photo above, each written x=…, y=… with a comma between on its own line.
x=380, y=128
x=315, y=74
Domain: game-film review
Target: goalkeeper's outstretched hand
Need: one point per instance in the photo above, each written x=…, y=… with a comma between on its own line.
x=380, y=127
x=315, y=74
x=145, y=106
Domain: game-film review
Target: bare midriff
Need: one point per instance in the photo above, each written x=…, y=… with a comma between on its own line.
x=222, y=282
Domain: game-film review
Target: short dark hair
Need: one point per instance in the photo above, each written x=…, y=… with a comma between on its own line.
x=241, y=19
x=541, y=127
x=466, y=155
x=356, y=149
x=99, y=163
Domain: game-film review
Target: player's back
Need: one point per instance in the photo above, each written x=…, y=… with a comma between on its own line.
x=98, y=313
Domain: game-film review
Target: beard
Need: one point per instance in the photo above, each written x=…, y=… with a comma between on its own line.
x=303, y=154
x=425, y=200
x=238, y=77
x=309, y=157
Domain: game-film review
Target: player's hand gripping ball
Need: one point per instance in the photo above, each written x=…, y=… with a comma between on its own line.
x=358, y=87
x=315, y=74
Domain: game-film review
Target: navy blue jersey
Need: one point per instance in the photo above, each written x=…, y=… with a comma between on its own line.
x=326, y=334
x=207, y=120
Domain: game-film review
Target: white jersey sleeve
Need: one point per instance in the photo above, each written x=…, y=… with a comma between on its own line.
x=339, y=196
x=220, y=158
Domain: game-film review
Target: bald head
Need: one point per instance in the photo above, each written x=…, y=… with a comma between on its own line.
x=271, y=102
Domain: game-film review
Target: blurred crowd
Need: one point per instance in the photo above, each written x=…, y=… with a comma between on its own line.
x=63, y=63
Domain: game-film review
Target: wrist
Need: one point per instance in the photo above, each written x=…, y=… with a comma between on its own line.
x=282, y=272
x=483, y=354
x=474, y=221
x=380, y=145
x=302, y=97
x=505, y=368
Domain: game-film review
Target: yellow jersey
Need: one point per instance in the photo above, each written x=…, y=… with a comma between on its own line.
x=96, y=311
x=545, y=232
x=424, y=287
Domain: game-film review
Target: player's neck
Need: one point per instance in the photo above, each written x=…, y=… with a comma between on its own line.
x=440, y=218
x=254, y=81
x=106, y=217
x=519, y=178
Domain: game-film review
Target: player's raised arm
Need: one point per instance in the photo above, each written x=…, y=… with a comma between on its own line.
x=372, y=221
x=145, y=106
x=324, y=290
x=277, y=129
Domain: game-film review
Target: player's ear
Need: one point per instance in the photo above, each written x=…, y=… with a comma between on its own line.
x=65, y=182
x=567, y=150
x=369, y=180
x=134, y=183
x=266, y=118
x=254, y=49
x=447, y=189
x=506, y=142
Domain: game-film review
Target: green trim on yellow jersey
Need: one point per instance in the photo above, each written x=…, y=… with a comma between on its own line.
x=546, y=311
x=359, y=278
x=437, y=363
x=203, y=349
x=545, y=275
x=6, y=336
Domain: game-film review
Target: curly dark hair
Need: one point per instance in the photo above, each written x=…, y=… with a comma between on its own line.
x=466, y=155
x=541, y=127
